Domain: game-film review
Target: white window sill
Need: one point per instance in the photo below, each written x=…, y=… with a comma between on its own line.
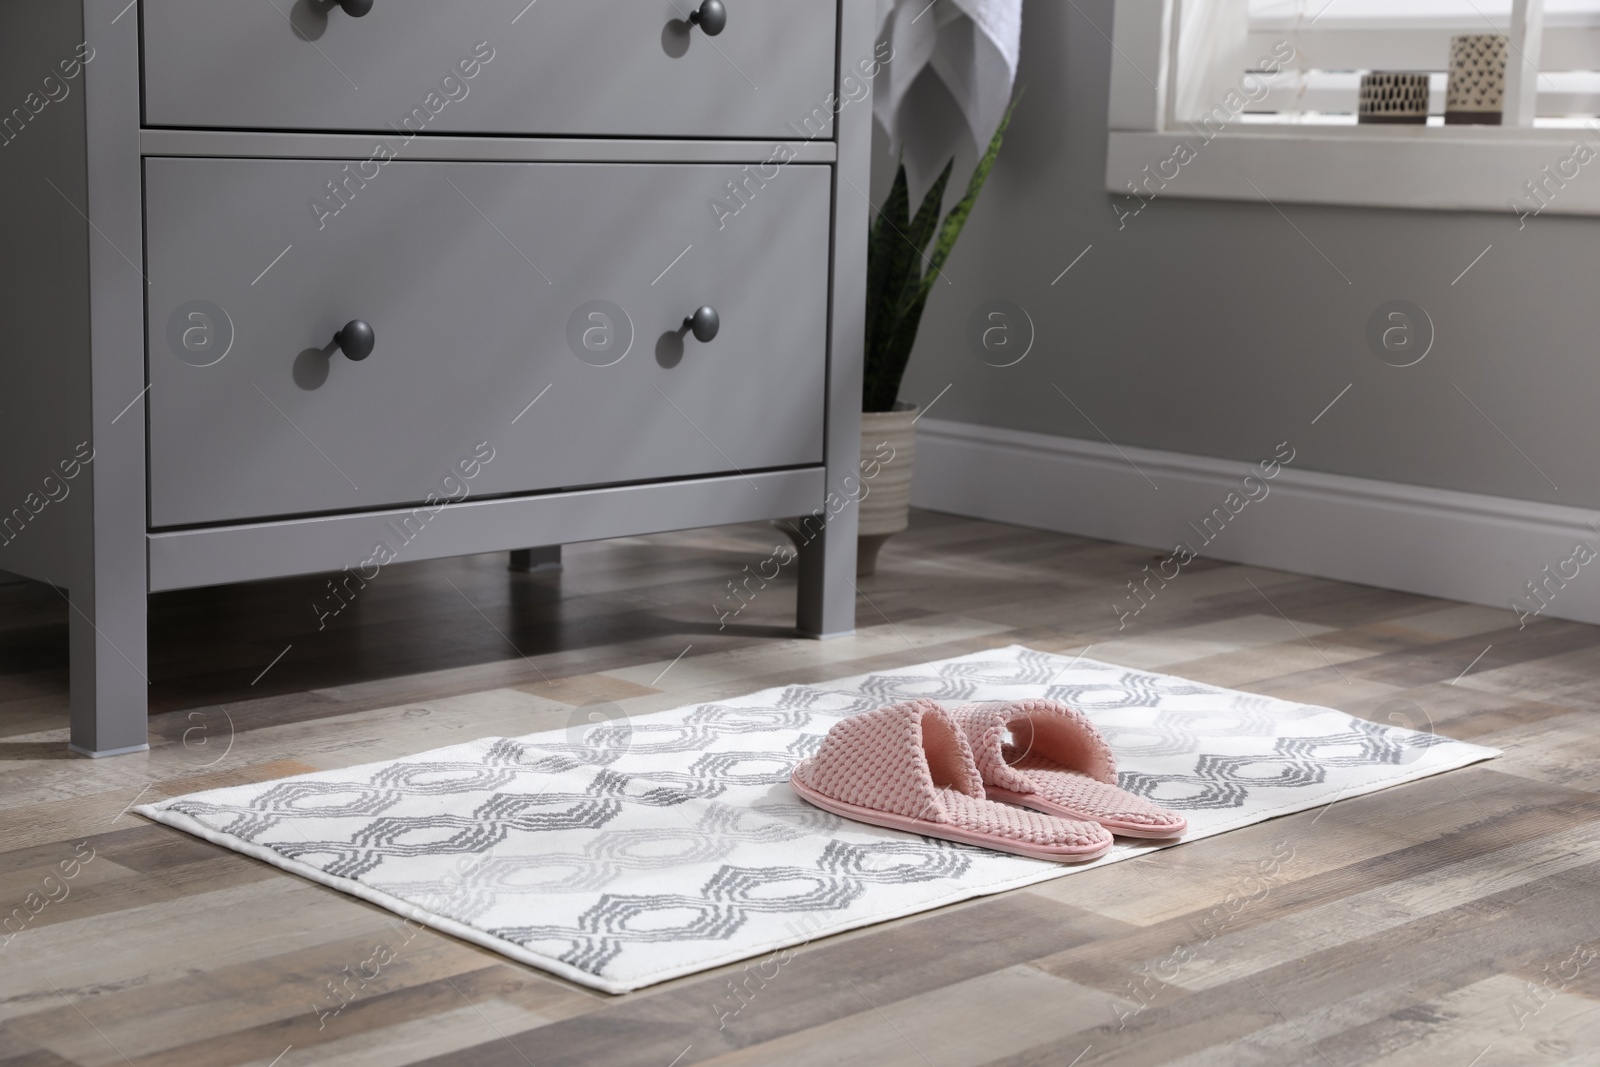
x=1448, y=168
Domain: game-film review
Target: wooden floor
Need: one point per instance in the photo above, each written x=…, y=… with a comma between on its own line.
x=1452, y=921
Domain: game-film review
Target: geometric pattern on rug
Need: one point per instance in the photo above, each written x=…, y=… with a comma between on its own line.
x=671, y=843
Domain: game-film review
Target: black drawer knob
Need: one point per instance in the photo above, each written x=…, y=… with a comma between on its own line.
x=711, y=17
x=705, y=323
x=355, y=8
x=356, y=339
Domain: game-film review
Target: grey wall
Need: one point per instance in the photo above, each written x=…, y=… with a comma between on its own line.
x=1213, y=327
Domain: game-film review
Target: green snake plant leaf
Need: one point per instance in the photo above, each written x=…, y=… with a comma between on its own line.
x=900, y=275
x=916, y=241
x=885, y=260
x=957, y=218
x=898, y=354
x=902, y=290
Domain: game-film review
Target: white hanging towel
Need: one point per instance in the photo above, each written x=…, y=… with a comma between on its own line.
x=972, y=47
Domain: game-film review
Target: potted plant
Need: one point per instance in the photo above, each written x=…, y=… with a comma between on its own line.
x=900, y=276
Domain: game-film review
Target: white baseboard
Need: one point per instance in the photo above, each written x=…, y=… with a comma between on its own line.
x=1437, y=542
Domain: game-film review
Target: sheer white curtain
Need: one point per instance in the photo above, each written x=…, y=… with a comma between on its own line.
x=1211, y=54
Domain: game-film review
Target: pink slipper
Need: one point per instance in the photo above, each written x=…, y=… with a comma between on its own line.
x=1057, y=763
x=908, y=767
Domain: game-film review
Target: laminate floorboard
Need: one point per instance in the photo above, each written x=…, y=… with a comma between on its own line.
x=1454, y=920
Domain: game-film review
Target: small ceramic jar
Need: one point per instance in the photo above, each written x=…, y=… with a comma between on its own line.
x=1394, y=97
x=1477, y=90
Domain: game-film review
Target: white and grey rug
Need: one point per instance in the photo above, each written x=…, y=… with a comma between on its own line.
x=650, y=848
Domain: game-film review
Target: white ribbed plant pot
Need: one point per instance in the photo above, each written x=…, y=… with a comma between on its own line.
x=888, y=451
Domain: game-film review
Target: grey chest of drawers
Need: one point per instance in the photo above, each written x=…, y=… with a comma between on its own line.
x=294, y=286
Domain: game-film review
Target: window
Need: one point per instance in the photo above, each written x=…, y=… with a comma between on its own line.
x=1334, y=44
x=1257, y=99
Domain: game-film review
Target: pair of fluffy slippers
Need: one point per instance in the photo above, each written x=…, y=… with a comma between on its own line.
x=1030, y=777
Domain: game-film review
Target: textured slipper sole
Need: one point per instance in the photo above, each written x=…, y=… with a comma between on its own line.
x=1116, y=826
x=948, y=832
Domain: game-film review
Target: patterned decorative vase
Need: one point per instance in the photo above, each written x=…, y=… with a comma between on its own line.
x=1477, y=90
x=1394, y=97
x=888, y=449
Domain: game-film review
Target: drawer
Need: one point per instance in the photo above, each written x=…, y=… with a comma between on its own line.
x=489, y=287
x=579, y=67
